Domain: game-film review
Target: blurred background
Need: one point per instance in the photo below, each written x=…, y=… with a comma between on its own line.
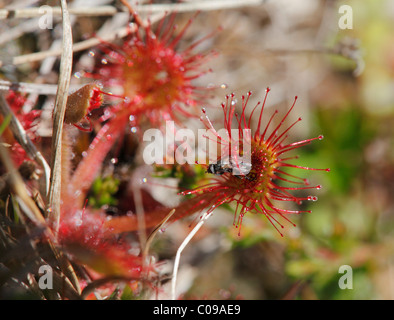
x=344, y=80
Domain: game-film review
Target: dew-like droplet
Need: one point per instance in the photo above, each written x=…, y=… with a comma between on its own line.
x=134, y=129
x=114, y=160
x=78, y=222
x=84, y=154
x=107, y=113
x=104, y=61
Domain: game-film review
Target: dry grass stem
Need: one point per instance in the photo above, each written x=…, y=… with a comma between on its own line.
x=58, y=117
x=24, y=13
x=181, y=248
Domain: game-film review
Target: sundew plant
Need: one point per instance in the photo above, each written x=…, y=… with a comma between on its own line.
x=183, y=150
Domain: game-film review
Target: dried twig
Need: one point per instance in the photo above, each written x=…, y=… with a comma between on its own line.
x=58, y=117
x=198, y=6
x=37, y=88
x=110, y=10
x=80, y=46
x=57, y=11
x=162, y=9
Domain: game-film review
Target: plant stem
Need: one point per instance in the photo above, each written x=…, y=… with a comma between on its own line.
x=181, y=248
x=58, y=118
